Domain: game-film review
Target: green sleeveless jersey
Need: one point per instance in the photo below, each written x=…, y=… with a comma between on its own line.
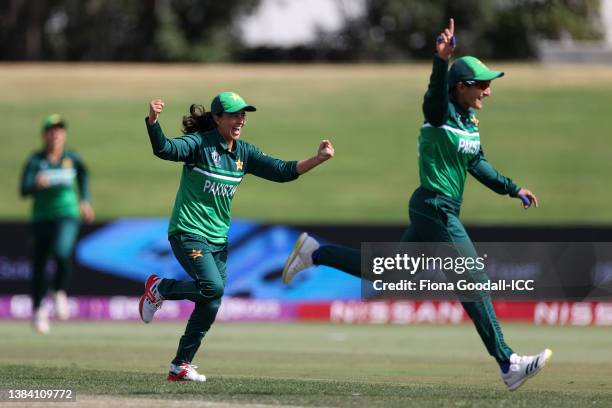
x=449, y=143
x=210, y=178
x=60, y=198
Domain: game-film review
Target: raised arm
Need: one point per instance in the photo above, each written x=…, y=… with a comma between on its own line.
x=435, y=103
x=277, y=170
x=325, y=152
x=184, y=148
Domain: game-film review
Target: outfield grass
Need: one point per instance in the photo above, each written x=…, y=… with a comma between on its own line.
x=546, y=127
x=310, y=364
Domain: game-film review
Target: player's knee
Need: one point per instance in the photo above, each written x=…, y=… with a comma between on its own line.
x=211, y=290
x=218, y=291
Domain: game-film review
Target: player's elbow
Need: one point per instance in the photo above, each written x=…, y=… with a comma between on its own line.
x=162, y=154
x=289, y=178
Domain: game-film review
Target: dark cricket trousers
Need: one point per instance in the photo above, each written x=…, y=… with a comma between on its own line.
x=206, y=264
x=435, y=218
x=52, y=239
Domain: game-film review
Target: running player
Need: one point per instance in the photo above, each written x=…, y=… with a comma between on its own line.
x=49, y=177
x=449, y=148
x=216, y=160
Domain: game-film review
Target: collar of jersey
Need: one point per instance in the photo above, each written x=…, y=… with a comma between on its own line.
x=467, y=113
x=222, y=141
x=46, y=157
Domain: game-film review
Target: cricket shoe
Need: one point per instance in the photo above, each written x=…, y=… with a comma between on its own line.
x=301, y=257
x=40, y=321
x=185, y=372
x=151, y=301
x=62, y=312
x=524, y=367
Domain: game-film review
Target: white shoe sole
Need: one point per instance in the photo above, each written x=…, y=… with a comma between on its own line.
x=294, y=253
x=547, y=355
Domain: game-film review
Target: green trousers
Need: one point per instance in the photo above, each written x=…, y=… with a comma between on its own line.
x=53, y=239
x=435, y=218
x=206, y=264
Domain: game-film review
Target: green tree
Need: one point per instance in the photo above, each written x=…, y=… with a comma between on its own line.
x=120, y=30
x=400, y=29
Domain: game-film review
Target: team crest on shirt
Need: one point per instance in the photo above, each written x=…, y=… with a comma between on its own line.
x=215, y=157
x=67, y=163
x=474, y=120
x=239, y=164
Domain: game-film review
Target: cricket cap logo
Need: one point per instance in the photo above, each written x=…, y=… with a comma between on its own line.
x=195, y=254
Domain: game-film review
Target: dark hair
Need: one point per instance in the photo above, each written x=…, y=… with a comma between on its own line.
x=198, y=120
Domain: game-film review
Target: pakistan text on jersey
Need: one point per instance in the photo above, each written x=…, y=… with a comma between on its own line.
x=468, y=146
x=219, y=189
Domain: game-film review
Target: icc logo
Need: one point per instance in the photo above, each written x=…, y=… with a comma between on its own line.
x=215, y=157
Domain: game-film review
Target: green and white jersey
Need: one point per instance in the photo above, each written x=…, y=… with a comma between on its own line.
x=445, y=153
x=59, y=199
x=210, y=178
x=449, y=143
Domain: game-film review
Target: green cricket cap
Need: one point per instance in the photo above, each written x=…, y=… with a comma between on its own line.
x=229, y=102
x=53, y=120
x=470, y=69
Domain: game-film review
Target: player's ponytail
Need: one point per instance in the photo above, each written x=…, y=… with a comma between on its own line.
x=198, y=120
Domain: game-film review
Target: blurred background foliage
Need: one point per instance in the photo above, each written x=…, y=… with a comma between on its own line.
x=209, y=30
x=120, y=30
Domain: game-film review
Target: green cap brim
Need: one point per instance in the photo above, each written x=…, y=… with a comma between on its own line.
x=488, y=75
x=246, y=108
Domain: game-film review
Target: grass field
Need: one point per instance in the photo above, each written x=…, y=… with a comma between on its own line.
x=308, y=365
x=544, y=126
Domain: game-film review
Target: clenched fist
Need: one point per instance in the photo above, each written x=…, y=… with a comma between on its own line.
x=155, y=109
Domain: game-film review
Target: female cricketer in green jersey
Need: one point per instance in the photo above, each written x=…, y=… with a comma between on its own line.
x=216, y=160
x=49, y=177
x=449, y=148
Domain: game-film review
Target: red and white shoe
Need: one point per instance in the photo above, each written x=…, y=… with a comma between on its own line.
x=151, y=301
x=185, y=372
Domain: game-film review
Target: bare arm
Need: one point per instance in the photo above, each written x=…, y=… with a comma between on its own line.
x=326, y=151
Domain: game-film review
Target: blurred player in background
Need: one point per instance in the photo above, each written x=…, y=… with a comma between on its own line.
x=50, y=176
x=216, y=160
x=449, y=148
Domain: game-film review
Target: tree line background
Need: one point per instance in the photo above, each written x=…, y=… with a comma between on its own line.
x=209, y=30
